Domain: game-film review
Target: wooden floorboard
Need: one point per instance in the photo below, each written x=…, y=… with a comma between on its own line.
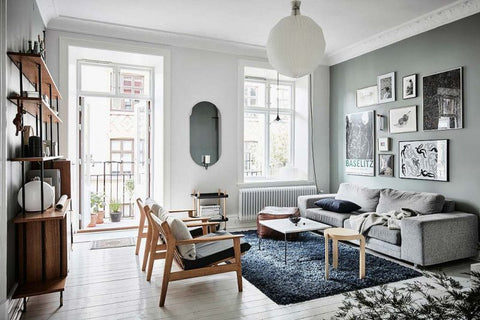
x=108, y=284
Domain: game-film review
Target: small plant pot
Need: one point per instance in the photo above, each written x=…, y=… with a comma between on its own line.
x=115, y=216
x=100, y=217
x=93, y=220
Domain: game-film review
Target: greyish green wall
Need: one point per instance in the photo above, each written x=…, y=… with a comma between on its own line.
x=453, y=45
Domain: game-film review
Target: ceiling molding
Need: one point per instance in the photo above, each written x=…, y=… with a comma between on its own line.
x=456, y=11
x=117, y=31
x=48, y=10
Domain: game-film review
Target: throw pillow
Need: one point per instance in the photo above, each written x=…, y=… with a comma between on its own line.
x=341, y=206
x=180, y=232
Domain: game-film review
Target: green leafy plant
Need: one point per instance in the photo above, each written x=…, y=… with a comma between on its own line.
x=130, y=187
x=114, y=205
x=415, y=301
x=97, y=201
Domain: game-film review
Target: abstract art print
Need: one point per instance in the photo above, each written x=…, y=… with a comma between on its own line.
x=360, y=143
x=386, y=87
x=384, y=144
x=409, y=87
x=385, y=165
x=403, y=119
x=442, y=100
x=367, y=96
x=424, y=160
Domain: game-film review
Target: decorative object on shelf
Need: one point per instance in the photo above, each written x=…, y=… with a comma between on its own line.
x=403, y=119
x=205, y=134
x=384, y=144
x=115, y=214
x=33, y=201
x=296, y=44
x=35, y=146
x=409, y=86
x=367, y=96
x=385, y=165
x=18, y=120
x=386, y=87
x=424, y=159
x=381, y=122
x=360, y=143
x=61, y=203
x=443, y=100
x=294, y=219
x=51, y=176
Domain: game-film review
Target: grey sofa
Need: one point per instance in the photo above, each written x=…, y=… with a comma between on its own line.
x=438, y=235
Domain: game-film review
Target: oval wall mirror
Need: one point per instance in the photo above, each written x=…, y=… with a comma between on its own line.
x=205, y=134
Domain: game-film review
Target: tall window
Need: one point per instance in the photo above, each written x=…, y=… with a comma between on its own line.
x=268, y=143
x=122, y=150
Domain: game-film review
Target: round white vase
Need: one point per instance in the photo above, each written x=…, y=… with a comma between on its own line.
x=33, y=196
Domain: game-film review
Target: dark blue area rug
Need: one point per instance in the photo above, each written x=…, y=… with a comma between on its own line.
x=302, y=278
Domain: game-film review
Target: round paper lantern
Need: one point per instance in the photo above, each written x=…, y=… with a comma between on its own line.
x=296, y=45
x=33, y=196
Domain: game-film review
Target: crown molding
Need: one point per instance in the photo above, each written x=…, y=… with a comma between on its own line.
x=453, y=12
x=48, y=10
x=118, y=31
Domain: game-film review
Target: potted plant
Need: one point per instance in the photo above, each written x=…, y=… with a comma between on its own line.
x=97, y=204
x=130, y=189
x=115, y=214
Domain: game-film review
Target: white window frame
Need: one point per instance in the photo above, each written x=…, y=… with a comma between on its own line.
x=268, y=112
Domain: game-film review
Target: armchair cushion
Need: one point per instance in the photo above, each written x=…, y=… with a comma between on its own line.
x=181, y=232
x=211, y=252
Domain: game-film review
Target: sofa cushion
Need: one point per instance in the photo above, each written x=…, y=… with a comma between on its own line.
x=328, y=217
x=448, y=206
x=366, y=198
x=341, y=206
x=181, y=232
x=381, y=233
x=422, y=202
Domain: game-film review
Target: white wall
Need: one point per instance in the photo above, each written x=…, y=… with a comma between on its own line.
x=198, y=75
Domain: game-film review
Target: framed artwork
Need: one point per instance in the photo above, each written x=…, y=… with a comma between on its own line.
x=360, y=143
x=367, y=96
x=403, y=119
x=424, y=160
x=386, y=87
x=443, y=100
x=384, y=144
x=382, y=122
x=385, y=165
x=409, y=86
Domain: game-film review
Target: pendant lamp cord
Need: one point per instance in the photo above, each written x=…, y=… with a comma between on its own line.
x=278, y=98
x=311, y=129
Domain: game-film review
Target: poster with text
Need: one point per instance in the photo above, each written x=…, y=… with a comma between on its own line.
x=360, y=144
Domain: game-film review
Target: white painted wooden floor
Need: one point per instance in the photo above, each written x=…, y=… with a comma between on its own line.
x=108, y=284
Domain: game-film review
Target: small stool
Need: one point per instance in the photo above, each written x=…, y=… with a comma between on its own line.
x=343, y=234
x=270, y=213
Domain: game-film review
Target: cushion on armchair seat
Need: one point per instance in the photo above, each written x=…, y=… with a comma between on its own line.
x=211, y=252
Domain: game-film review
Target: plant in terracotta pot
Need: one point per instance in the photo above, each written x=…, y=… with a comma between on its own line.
x=97, y=203
x=115, y=214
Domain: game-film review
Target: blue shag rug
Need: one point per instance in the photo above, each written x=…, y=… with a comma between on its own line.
x=302, y=278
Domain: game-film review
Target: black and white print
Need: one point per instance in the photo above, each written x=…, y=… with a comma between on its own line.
x=385, y=165
x=383, y=144
x=409, y=87
x=403, y=119
x=386, y=87
x=425, y=160
x=442, y=100
x=367, y=96
x=360, y=143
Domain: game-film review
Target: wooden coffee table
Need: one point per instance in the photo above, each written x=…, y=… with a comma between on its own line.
x=286, y=227
x=343, y=234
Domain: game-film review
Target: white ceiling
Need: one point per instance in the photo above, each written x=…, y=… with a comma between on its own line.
x=344, y=22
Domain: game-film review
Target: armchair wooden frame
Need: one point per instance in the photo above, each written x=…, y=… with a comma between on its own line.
x=234, y=265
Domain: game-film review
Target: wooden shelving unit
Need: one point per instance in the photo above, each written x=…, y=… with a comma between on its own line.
x=42, y=237
x=219, y=196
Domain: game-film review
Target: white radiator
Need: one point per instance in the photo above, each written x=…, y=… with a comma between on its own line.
x=252, y=200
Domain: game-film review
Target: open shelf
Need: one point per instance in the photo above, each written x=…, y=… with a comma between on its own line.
x=37, y=159
x=31, y=106
x=41, y=287
x=30, y=63
x=49, y=214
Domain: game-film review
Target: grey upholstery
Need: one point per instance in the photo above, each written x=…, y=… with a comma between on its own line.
x=328, y=217
x=422, y=202
x=305, y=202
x=366, y=198
x=380, y=233
x=440, y=237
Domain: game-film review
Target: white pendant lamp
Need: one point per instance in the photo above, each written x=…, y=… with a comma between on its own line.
x=296, y=45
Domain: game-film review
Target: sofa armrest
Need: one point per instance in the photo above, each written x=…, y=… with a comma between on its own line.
x=305, y=202
x=437, y=238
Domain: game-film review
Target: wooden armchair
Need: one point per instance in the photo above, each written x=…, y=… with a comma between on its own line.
x=208, y=260
x=155, y=248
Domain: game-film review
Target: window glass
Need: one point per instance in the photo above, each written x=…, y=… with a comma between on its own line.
x=96, y=78
x=134, y=81
x=254, y=144
x=284, y=96
x=280, y=144
x=254, y=94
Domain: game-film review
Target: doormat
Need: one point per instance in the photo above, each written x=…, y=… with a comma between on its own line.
x=113, y=243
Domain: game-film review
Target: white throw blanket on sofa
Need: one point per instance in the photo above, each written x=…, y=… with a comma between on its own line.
x=392, y=219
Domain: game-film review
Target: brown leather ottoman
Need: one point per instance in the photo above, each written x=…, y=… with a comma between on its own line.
x=269, y=213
